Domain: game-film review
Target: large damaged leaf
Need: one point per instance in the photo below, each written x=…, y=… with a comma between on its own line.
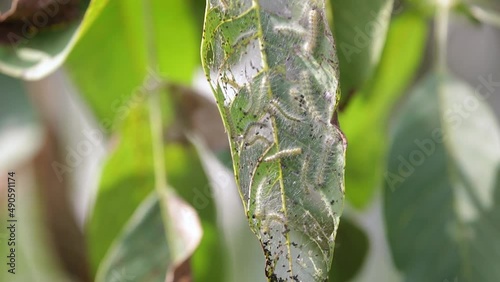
x=273, y=70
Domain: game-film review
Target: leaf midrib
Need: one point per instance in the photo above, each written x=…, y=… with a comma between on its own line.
x=260, y=35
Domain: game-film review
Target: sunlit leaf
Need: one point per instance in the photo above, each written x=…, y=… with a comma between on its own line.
x=365, y=119
x=442, y=195
x=127, y=178
x=274, y=72
x=425, y=7
x=109, y=65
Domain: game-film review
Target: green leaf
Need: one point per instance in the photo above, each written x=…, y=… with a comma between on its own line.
x=364, y=121
x=273, y=69
x=350, y=251
x=442, y=195
x=127, y=178
x=486, y=11
x=360, y=29
x=177, y=39
x=492, y=5
x=109, y=64
x=142, y=252
x=186, y=172
x=426, y=8
x=116, y=89
x=37, y=45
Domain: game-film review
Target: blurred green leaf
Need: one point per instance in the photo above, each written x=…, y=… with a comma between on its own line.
x=186, y=172
x=486, y=11
x=351, y=248
x=426, y=8
x=21, y=135
x=145, y=251
x=127, y=178
x=109, y=64
x=442, y=198
x=365, y=120
x=492, y=5
x=360, y=29
x=178, y=39
x=115, y=87
x=37, y=48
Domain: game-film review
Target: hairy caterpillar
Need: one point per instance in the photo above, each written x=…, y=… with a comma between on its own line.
x=275, y=108
x=284, y=153
x=256, y=99
x=313, y=26
x=304, y=181
x=325, y=160
x=308, y=97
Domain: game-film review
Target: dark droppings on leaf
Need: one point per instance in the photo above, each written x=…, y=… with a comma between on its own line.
x=27, y=18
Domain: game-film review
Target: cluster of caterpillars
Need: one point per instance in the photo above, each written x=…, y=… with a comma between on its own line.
x=256, y=126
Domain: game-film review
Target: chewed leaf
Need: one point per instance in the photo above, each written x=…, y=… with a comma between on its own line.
x=273, y=70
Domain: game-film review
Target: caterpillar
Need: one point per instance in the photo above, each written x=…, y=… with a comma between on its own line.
x=256, y=99
x=308, y=97
x=275, y=107
x=258, y=138
x=304, y=181
x=284, y=153
x=313, y=26
x=294, y=29
x=259, y=209
x=324, y=161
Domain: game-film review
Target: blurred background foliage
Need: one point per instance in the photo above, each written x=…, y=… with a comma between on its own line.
x=76, y=127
